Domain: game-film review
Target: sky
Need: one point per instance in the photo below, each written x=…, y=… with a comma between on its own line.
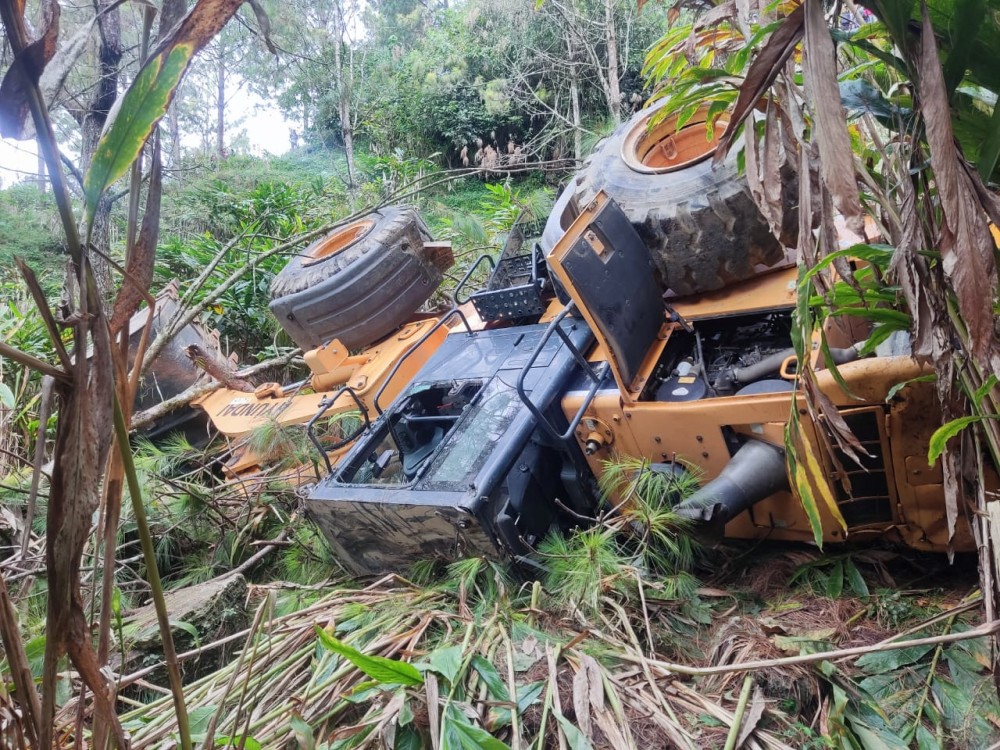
x=265, y=126
x=16, y=158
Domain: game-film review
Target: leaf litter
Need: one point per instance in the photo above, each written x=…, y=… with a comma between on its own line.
x=504, y=666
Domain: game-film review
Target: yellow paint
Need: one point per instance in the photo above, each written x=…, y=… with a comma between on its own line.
x=235, y=414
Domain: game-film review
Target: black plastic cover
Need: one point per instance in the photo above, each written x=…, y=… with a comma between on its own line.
x=451, y=506
x=614, y=282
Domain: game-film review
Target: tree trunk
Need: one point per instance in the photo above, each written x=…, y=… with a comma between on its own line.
x=42, y=178
x=109, y=55
x=220, y=107
x=343, y=94
x=614, y=87
x=171, y=12
x=574, y=97
x=174, y=122
x=574, y=94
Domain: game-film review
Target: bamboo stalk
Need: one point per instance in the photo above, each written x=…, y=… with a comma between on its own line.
x=986, y=629
x=741, y=707
x=251, y=647
x=162, y=616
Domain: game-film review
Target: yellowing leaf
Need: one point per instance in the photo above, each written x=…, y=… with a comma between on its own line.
x=140, y=108
x=804, y=491
x=817, y=477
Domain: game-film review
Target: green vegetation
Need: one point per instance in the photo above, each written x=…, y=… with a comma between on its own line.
x=475, y=112
x=29, y=228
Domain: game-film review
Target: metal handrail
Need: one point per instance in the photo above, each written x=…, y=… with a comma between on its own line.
x=596, y=375
x=448, y=315
x=325, y=403
x=468, y=275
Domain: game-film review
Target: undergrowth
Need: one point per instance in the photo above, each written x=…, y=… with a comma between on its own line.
x=581, y=657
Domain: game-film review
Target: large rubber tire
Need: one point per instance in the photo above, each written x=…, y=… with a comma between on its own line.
x=559, y=219
x=698, y=220
x=359, y=283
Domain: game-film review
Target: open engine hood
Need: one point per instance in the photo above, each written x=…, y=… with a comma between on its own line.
x=606, y=270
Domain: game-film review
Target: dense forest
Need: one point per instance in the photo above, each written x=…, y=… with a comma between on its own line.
x=154, y=594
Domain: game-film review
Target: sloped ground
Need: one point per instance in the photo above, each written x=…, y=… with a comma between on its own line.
x=469, y=648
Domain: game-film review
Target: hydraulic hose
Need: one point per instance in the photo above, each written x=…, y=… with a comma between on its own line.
x=740, y=376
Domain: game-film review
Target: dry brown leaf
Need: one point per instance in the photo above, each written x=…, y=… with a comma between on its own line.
x=847, y=441
x=433, y=719
x=965, y=242
x=596, y=683
x=761, y=74
x=552, y=658
x=952, y=406
x=771, y=169
x=830, y=121
x=752, y=717
x=754, y=182
x=581, y=699
x=609, y=727
x=723, y=12
x=806, y=242
x=25, y=72
x=929, y=341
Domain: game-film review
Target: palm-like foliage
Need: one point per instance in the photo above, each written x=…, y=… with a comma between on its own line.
x=640, y=545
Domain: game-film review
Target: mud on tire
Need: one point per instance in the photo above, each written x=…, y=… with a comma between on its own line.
x=358, y=283
x=699, y=221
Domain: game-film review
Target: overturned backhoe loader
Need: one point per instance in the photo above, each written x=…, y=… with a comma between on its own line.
x=500, y=437
x=351, y=301
x=652, y=318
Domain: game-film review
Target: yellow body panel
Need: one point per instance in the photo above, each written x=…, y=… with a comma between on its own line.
x=769, y=291
x=692, y=432
x=235, y=413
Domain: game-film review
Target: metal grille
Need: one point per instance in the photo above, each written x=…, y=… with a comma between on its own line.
x=869, y=500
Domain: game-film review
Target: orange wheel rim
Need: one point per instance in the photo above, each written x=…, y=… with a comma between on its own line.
x=337, y=241
x=663, y=148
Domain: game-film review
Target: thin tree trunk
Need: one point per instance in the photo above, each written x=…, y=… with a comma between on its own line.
x=42, y=178
x=614, y=87
x=574, y=97
x=343, y=94
x=174, y=121
x=220, y=108
x=171, y=13
x=105, y=92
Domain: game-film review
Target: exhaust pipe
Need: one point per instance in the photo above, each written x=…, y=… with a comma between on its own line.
x=756, y=471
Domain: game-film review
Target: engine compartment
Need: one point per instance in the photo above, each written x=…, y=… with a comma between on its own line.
x=725, y=357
